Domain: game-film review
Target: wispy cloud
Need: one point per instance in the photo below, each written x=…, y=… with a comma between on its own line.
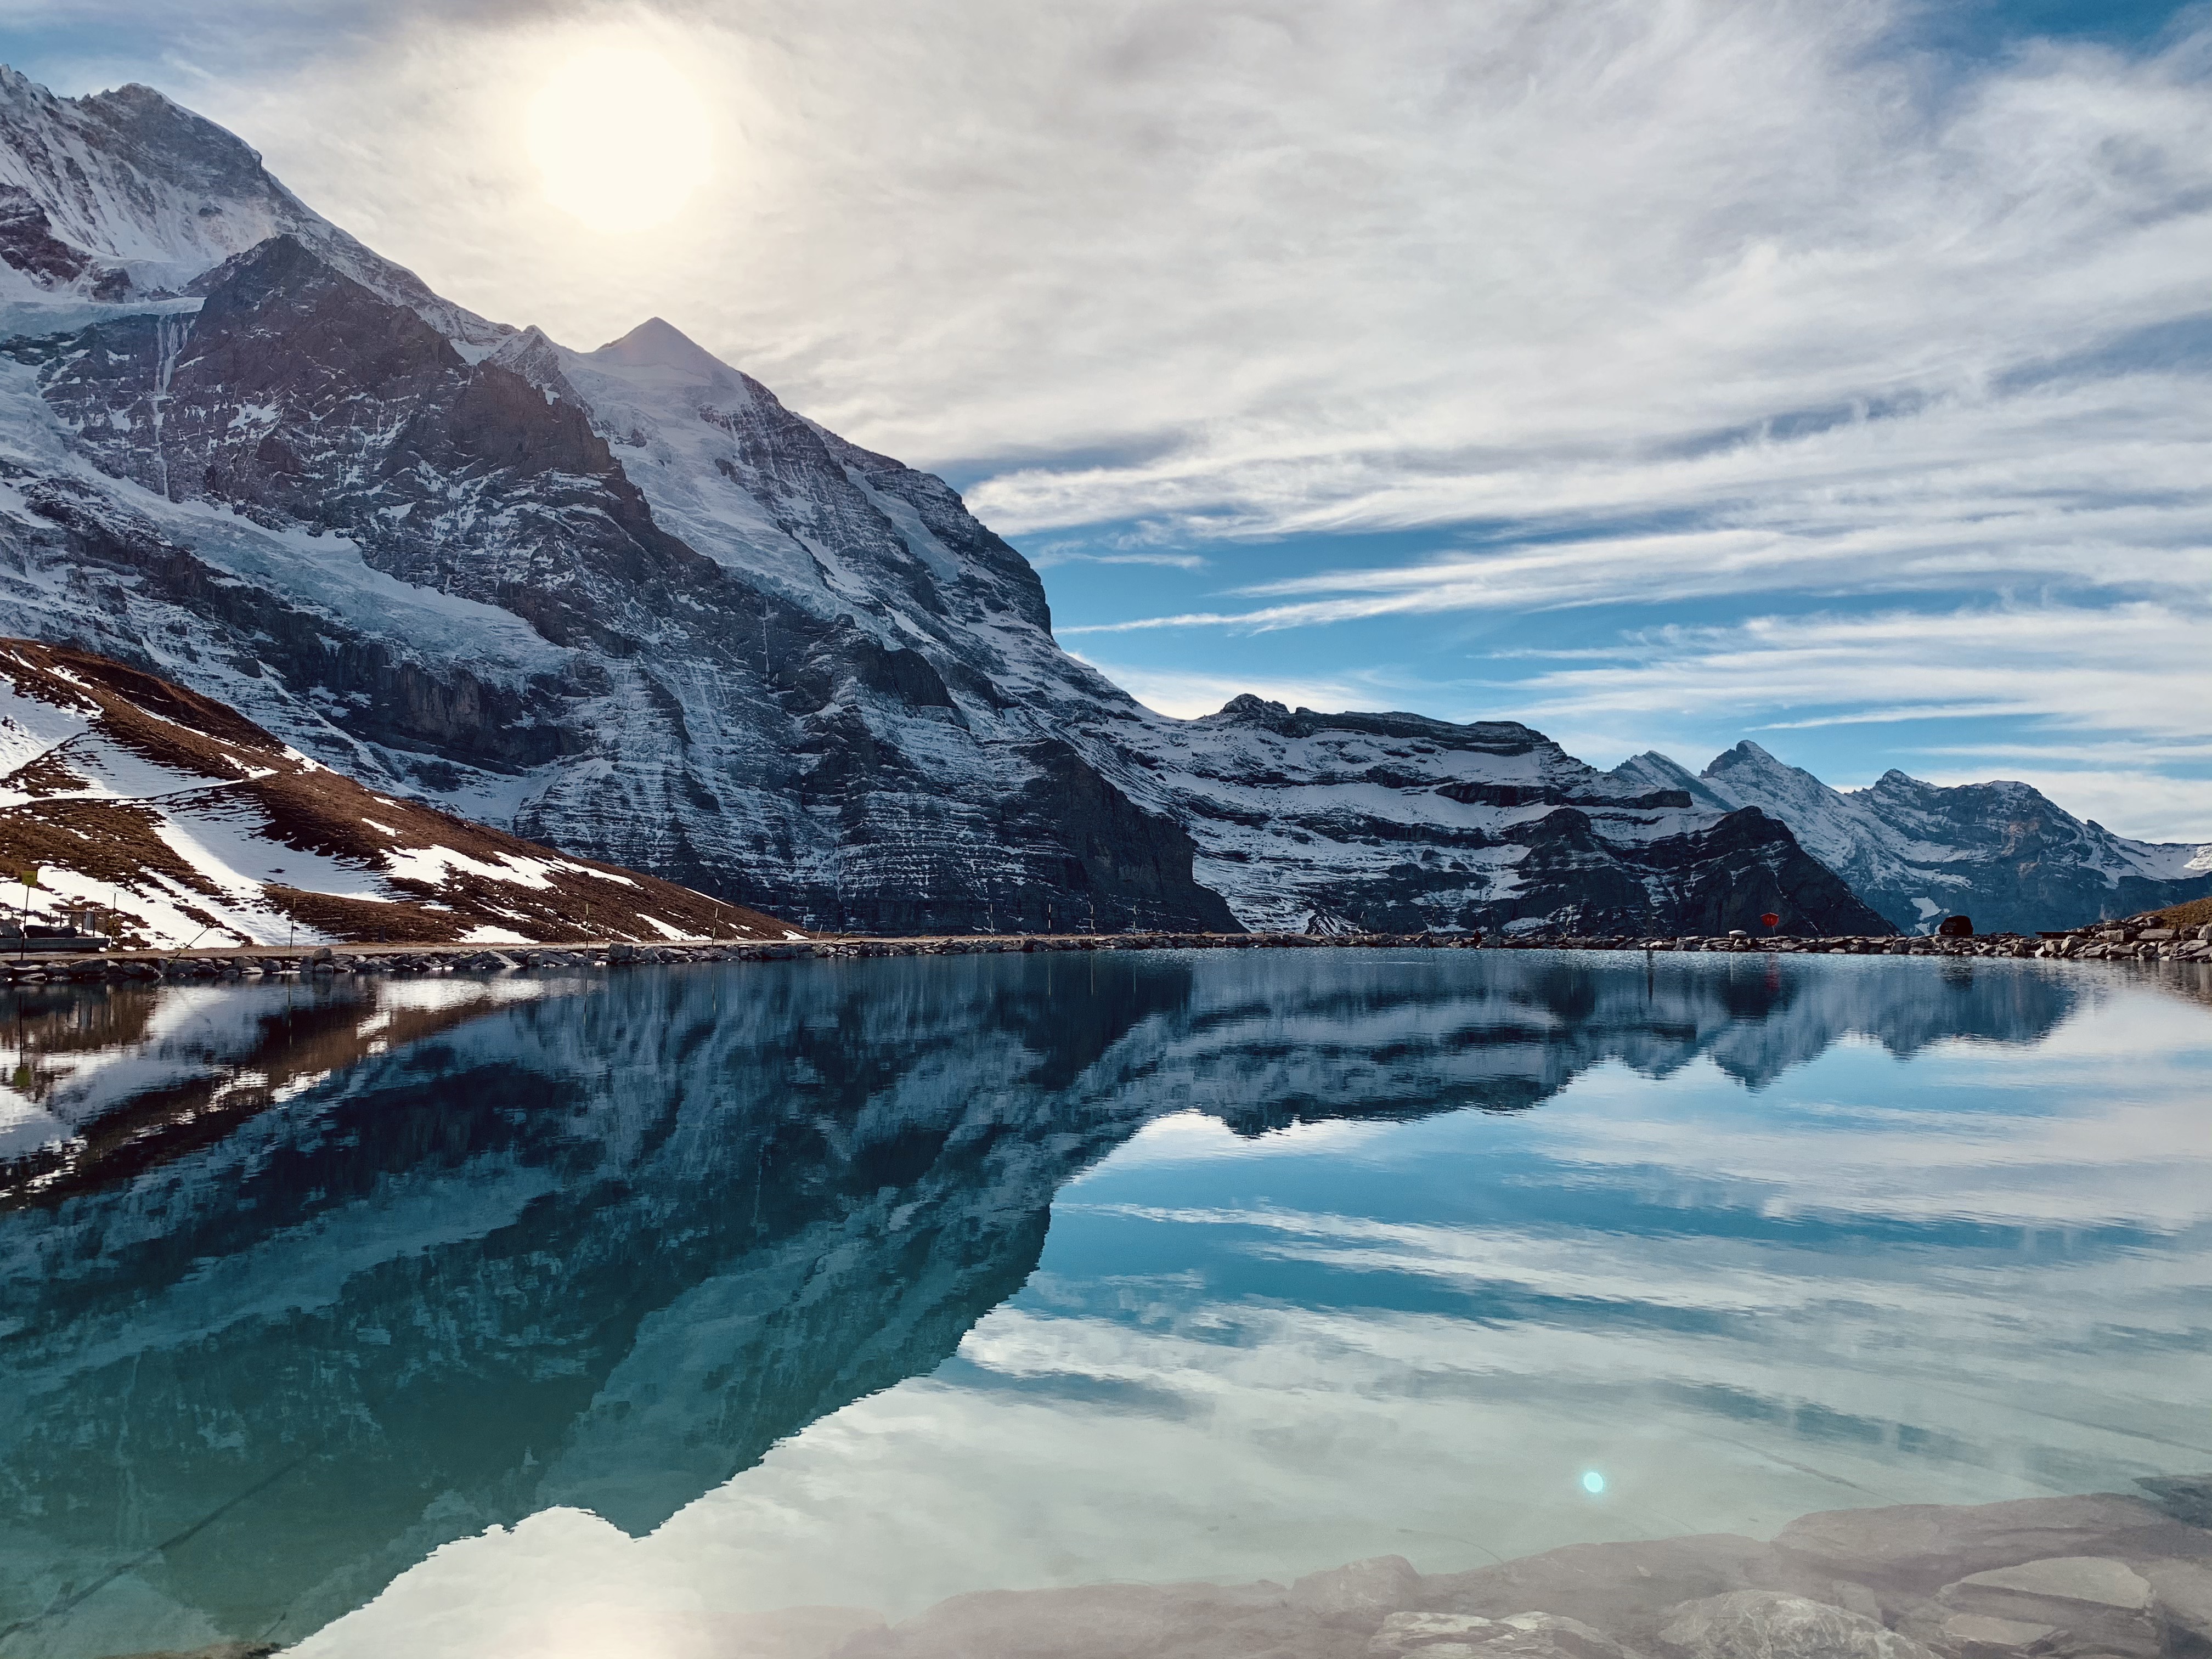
x=1045, y=558
x=2080, y=670
x=1188, y=695
x=1336, y=261
x=2113, y=689
x=1948, y=499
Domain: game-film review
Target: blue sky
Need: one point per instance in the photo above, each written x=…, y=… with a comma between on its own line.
x=1661, y=373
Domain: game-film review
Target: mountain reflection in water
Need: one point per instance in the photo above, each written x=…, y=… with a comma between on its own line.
x=299, y=1282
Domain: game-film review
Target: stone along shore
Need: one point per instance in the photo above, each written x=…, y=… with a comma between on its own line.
x=2106, y=941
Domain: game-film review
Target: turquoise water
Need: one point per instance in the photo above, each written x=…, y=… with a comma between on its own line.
x=539, y=1314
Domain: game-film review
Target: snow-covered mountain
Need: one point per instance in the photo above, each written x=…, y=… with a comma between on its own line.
x=123, y=196
x=181, y=824
x=2002, y=853
x=1399, y=821
x=624, y=602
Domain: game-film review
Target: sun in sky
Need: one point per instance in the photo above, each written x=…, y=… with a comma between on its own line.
x=623, y=138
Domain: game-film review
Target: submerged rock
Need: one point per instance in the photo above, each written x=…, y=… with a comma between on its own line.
x=1911, y=1581
x=2185, y=1497
x=2093, y=1578
x=1430, y=1632
x=2078, y=1604
x=1358, y=1594
x=1767, y=1625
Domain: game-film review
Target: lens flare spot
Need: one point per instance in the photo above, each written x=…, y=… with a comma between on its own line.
x=1593, y=1482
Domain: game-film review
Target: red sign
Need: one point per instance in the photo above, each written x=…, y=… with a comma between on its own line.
x=1770, y=920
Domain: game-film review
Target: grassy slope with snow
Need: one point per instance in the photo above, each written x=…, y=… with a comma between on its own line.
x=193, y=825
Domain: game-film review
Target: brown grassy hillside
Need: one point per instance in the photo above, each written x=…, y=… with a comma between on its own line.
x=195, y=825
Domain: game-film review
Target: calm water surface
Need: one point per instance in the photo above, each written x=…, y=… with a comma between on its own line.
x=543, y=1314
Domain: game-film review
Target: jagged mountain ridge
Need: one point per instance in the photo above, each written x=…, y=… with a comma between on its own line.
x=125, y=196
x=1399, y=821
x=626, y=602
x=2002, y=853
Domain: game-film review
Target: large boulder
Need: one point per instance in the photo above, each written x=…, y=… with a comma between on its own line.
x=2077, y=1604
x=1360, y=1594
x=1469, y=1636
x=1769, y=1624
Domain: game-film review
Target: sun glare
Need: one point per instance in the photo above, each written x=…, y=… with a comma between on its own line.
x=621, y=137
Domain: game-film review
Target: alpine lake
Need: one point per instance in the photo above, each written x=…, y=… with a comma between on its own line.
x=605, y=1312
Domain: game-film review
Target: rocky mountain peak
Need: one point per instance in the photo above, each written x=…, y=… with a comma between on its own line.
x=1749, y=775
x=150, y=196
x=1653, y=769
x=129, y=177
x=658, y=343
x=2000, y=851
x=1488, y=736
x=1252, y=710
x=1746, y=755
x=161, y=136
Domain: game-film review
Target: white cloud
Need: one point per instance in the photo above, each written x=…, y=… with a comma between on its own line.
x=1045, y=558
x=2129, y=677
x=2080, y=669
x=2057, y=489
x=1188, y=695
x=1328, y=261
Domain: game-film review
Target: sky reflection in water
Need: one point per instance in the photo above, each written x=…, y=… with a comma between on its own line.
x=642, y=1300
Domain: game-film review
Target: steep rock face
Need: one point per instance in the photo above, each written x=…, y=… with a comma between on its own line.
x=626, y=602
x=1397, y=822
x=2002, y=853
x=778, y=752
x=296, y=395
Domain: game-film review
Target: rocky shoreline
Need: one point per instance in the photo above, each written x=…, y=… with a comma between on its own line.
x=2119, y=941
x=2101, y=1577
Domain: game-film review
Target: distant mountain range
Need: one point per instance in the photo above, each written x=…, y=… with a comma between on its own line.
x=625, y=603
x=2000, y=854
